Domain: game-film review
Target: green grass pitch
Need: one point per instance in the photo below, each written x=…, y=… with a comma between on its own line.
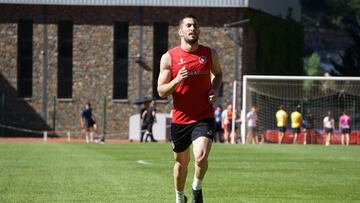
x=133, y=172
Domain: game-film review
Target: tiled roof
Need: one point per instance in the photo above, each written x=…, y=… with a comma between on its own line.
x=160, y=3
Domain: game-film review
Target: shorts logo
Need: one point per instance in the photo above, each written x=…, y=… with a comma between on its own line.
x=202, y=59
x=210, y=132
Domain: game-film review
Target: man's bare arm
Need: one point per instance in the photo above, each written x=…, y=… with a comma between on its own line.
x=81, y=122
x=165, y=85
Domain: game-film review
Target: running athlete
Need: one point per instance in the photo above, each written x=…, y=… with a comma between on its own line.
x=191, y=73
x=345, y=127
x=281, y=122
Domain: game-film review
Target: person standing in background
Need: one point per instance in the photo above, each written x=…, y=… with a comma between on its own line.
x=309, y=125
x=225, y=122
x=149, y=117
x=345, y=128
x=329, y=127
x=218, y=125
x=252, y=123
x=281, y=122
x=142, y=119
x=296, y=120
x=88, y=122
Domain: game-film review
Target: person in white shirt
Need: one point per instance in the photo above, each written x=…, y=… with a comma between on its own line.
x=329, y=127
x=252, y=123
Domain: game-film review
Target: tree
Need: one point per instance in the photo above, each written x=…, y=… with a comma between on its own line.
x=351, y=59
x=311, y=68
x=312, y=65
x=339, y=15
x=355, y=7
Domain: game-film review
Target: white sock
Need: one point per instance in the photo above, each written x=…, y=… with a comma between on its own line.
x=87, y=139
x=196, y=184
x=91, y=137
x=180, y=197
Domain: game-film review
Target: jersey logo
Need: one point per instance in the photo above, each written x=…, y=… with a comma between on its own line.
x=202, y=59
x=181, y=61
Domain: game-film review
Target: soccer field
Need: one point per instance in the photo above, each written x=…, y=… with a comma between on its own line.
x=130, y=172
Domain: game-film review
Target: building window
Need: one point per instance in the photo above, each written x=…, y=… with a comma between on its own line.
x=120, y=80
x=24, y=58
x=65, y=56
x=160, y=47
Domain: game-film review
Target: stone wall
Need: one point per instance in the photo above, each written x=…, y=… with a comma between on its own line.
x=93, y=58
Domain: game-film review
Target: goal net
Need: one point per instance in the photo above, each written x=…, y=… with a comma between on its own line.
x=317, y=95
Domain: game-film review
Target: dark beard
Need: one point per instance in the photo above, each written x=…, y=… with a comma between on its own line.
x=191, y=41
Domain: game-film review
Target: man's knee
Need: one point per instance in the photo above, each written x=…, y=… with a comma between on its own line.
x=182, y=161
x=201, y=158
x=181, y=164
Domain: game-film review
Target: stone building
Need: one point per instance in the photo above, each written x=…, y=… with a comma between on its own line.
x=56, y=55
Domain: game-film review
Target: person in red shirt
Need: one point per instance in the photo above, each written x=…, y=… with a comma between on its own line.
x=191, y=73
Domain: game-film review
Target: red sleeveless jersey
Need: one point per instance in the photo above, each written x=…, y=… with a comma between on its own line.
x=191, y=97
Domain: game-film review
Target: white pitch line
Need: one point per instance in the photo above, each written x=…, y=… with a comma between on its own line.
x=143, y=162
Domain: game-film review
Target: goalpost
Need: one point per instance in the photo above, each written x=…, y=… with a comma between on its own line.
x=312, y=93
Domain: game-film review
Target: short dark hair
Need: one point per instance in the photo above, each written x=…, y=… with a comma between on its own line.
x=187, y=16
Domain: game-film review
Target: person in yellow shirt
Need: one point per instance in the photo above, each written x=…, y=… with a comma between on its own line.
x=296, y=120
x=281, y=122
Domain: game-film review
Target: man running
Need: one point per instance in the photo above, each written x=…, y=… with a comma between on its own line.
x=191, y=73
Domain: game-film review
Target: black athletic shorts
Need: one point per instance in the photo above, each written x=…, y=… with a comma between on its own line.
x=328, y=130
x=296, y=130
x=218, y=127
x=89, y=124
x=252, y=129
x=182, y=135
x=229, y=126
x=345, y=130
x=281, y=129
